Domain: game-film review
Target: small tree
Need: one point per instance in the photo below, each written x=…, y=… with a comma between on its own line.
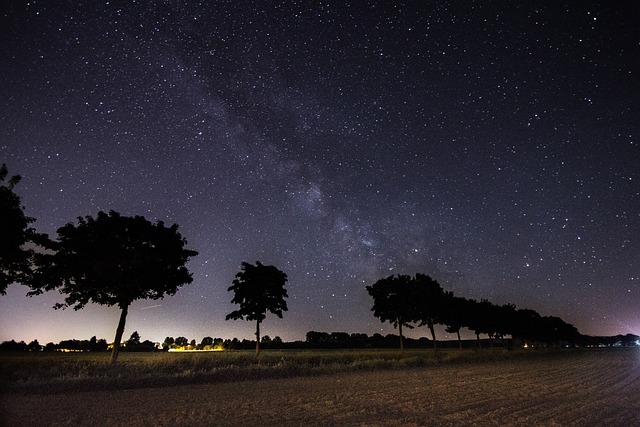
x=114, y=260
x=15, y=234
x=258, y=289
x=394, y=302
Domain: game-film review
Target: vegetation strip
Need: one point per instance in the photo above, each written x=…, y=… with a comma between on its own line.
x=41, y=373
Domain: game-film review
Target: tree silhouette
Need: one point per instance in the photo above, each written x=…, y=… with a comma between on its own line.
x=482, y=318
x=206, y=341
x=314, y=337
x=555, y=330
x=134, y=340
x=431, y=303
x=503, y=316
x=547, y=330
x=266, y=339
x=258, y=289
x=96, y=344
x=168, y=342
x=394, y=302
x=15, y=235
x=114, y=260
x=181, y=341
x=526, y=325
x=456, y=314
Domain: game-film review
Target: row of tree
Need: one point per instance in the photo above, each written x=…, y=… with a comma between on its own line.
x=92, y=344
x=207, y=343
x=359, y=340
x=407, y=302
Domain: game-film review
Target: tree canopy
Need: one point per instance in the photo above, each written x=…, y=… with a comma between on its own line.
x=16, y=235
x=258, y=289
x=114, y=260
x=430, y=302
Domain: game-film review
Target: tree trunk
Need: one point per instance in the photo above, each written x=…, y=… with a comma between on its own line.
x=119, y=332
x=478, y=339
x=401, y=338
x=459, y=340
x=433, y=336
x=257, y=337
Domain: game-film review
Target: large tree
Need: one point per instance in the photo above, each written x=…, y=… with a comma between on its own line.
x=394, y=301
x=17, y=238
x=114, y=260
x=258, y=289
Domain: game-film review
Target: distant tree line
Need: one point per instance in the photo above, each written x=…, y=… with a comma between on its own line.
x=134, y=343
x=314, y=340
x=92, y=344
x=183, y=343
x=359, y=340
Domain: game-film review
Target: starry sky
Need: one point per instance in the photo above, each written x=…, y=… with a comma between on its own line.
x=491, y=145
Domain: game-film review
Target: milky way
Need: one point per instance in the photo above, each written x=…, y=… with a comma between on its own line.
x=491, y=146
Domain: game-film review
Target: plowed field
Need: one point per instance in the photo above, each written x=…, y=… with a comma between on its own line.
x=595, y=388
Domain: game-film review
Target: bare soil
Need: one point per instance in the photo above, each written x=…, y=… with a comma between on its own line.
x=595, y=388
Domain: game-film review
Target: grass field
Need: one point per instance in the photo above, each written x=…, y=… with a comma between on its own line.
x=590, y=387
x=62, y=372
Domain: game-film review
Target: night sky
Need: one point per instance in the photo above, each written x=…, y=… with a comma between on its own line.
x=490, y=145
